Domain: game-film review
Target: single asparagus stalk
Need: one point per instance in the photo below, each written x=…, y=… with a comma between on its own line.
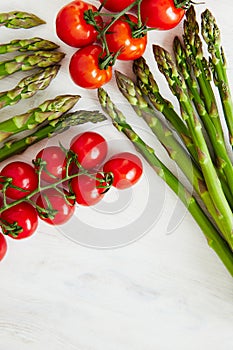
x=47, y=111
x=19, y=19
x=194, y=51
x=41, y=59
x=211, y=35
x=149, y=87
x=165, y=136
x=57, y=126
x=32, y=44
x=217, y=140
x=215, y=241
x=179, y=89
x=28, y=86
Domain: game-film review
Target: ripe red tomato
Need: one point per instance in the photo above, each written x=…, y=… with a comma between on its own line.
x=161, y=14
x=56, y=161
x=126, y=169
x=65, y=208
x=116, y=5
x=3, y=246
x=71, y=26
x=91, y=149
x=119, y=36
x=85, y=70
x=23, y=176
x=25, y=215
x=87, y=189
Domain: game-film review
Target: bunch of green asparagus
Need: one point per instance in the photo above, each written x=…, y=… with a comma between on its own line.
x=193, y=136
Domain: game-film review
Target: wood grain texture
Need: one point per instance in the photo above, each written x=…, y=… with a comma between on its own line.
x=163, y=292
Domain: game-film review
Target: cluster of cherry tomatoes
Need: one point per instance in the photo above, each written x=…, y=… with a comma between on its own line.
x=49, y=188
x=124, y=36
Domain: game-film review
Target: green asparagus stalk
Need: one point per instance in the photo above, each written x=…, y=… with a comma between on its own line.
x=167, y=139
x=179, y=89
x=27, y=87
x=215, y=241
x=25, y=62
x=47, y=111
x=19, y=19
x=149, y=87
x=32, y=44
x=217, y=140
x=211, y=35
x=57, y=126
x=194, y=51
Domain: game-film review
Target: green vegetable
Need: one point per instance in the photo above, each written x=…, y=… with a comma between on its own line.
x=215, y=241
x=28, y=86
x=46, y=112
x=33, y=44
x=57, y=126
x=178, y=86
x=211, y=35
x=26, y=62
x=19, y=19
x=168, y=141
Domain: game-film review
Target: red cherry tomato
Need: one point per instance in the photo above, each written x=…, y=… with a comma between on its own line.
x=65, y=208
x=25, y=215
x=91, y=149
x=120, y=37
x=3, y=246
x=161, y=14
x=126, y=169
x=85, y=70
x=87, y=189
x=116, y=5
x=23, y=176
x=55, y=158
x=71, y=26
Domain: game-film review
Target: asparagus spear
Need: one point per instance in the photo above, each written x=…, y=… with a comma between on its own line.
x=47, y=111
x=32, y=44
x=216, y=138
x=57, y=126
x=19, y=19
x=211, y=35
x=149, y=87
x=179, y=89
x=194, y=51
x=28, y=86
x=215, y=241
x=167, y=139
x=25, y=62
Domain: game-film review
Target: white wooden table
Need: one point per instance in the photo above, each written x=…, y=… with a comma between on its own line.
x=163, y=291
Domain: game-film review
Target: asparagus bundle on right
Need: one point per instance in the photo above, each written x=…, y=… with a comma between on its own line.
x=203, y=155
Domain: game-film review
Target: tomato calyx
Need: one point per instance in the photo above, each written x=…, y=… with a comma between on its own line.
x=138, y=30
x=185, y=4
x=12, y=229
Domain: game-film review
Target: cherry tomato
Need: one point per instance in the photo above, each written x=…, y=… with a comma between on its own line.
x=161, y=14
x=85, y=70
x=23, y=176
x=126, y=169
x=116, y=5
x=3, y=246
x=87, y=189
x=91, y=149
x=120, y=37
x=55, y=158
x=65, y=208
x=25, y=215
x=72, y=28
